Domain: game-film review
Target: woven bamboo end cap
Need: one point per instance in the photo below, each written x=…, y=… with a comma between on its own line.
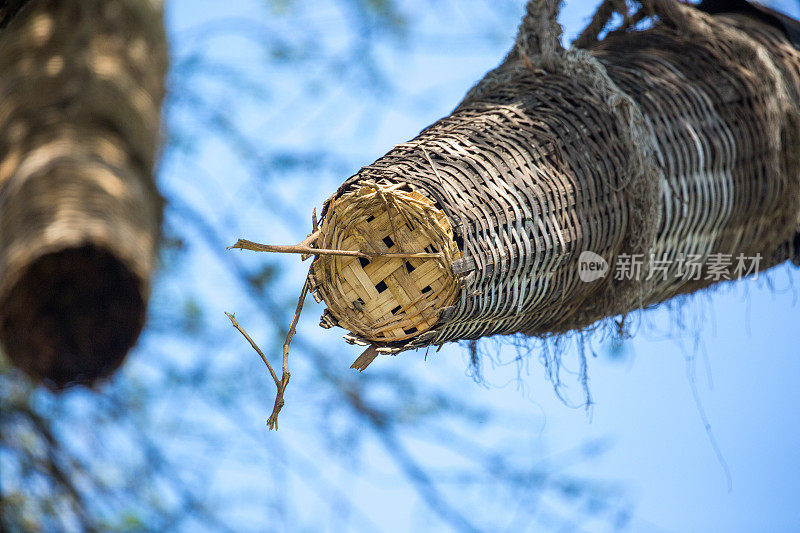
x=386, y=299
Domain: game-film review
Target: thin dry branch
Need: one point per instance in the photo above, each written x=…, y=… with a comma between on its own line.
x=282, y=383
x=279, y=383
x=311, y=239
x=255, y=347
x=243, y=244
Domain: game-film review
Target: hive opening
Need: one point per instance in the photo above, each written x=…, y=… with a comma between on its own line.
x=386, y=299
x=72, y=316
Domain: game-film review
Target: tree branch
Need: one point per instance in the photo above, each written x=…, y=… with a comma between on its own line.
x=301, y=248
x=282, y=383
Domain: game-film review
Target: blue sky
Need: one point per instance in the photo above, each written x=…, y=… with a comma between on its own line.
x=745, y=370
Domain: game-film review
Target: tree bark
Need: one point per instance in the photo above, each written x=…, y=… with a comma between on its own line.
x=81, y=86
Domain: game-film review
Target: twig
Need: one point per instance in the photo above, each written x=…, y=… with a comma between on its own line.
x=280, y=384
x=312, y=238
x=602, y=16
x=285, y=374
x=643, y=13
x=243, y=244
x=255, y=347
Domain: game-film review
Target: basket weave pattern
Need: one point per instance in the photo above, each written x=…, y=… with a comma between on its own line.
x=532, y=169
x=386, y=299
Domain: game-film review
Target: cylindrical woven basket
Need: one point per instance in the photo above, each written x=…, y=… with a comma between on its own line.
x=80, y=96
x=679, y=140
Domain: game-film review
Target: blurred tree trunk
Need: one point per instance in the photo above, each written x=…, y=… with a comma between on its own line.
x=81, y=85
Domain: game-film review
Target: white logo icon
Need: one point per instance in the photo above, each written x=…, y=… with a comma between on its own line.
x=591, y=267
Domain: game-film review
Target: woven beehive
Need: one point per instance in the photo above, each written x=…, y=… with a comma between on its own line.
x=80, y=97
x=680, y=139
